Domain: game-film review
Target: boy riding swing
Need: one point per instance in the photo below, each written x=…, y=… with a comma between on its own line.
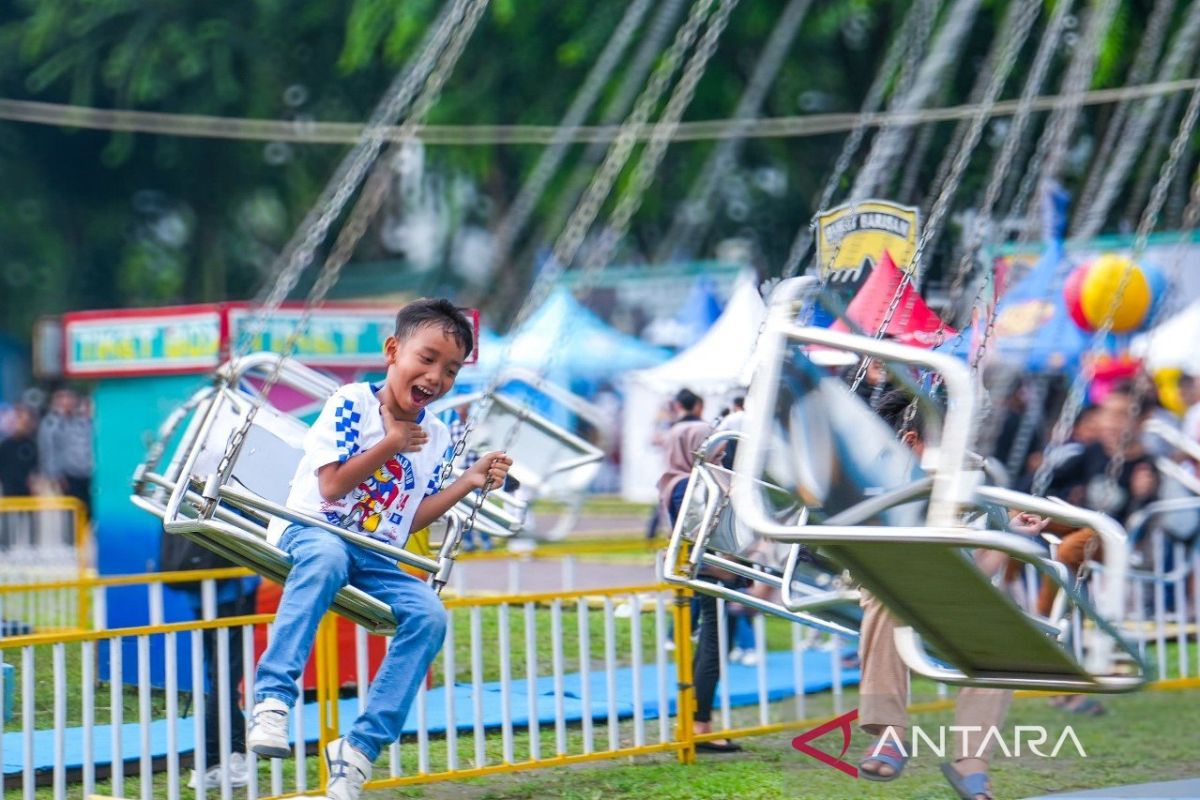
x=371, y=465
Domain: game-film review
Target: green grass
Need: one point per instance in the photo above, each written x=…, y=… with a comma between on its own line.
x=1144, y=737
x=1158, y=726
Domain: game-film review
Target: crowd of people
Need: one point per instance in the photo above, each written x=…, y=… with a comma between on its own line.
x=50, y=452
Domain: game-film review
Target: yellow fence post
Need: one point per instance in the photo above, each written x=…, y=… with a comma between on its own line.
x=327, y=688
x=83, y=555
x=685, y=703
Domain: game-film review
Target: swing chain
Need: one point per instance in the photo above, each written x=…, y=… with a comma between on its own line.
x=1028, y=13
x=1148, y=220
x=1157, y=198
x=459, y=448
x=1053, y=143
x=1090, y=548
x=996, y=180
x=361, y=216
x=567, y=246
x=896, y=50
x=569, y=242
x=299, y=254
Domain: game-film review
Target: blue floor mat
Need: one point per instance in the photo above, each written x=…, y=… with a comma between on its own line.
x=818, y=677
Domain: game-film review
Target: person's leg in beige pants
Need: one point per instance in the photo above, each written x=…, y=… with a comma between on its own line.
x=883, y=695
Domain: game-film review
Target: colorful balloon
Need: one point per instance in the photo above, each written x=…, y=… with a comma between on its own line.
x=1072, y=291
x=1158, y=291
x=1098, y=294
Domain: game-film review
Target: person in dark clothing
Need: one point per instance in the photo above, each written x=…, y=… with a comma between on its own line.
x=65, y=446
x=1079, y=471
x=235, y=597
x=682, y=441
x=19, y=454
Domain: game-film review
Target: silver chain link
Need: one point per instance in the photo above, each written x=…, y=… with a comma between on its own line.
x=1133, y=138
x=1143, y=67
x=533, y=187
x=364, y=211
x=1018, y=27
x=1052, y=146
x=1003, y=164
x=1074, y=401
x=571, y=239
x=901, y=44
x=631, y=199
x=1148, y=222
x=1028, y=13
x=299, y=252
x=693, y=215
x=890, y=144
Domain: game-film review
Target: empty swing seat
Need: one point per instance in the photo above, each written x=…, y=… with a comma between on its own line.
x=897, y=526
x=549, y=461
x=812, y=591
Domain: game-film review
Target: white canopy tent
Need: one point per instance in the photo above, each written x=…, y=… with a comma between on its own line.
x=1172, y=343
x=716, y=368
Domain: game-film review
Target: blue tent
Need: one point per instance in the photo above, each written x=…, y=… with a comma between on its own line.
x=572, y=344
x=1033, y=328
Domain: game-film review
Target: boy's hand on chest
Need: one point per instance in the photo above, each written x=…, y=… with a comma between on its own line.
x=402, y=436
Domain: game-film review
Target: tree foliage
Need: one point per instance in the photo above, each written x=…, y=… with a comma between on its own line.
x=92, y=219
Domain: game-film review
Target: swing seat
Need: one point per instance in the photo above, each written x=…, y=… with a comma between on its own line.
x=549, y=461
x=867, y=510
x=812, y=591
x=240, y=515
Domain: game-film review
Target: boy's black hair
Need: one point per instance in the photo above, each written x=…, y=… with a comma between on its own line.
x=439, y=312
x=739, y=402
x=688, y=400
x=892, y=408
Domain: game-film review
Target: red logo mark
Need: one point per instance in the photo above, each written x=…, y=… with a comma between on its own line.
x=842, y=723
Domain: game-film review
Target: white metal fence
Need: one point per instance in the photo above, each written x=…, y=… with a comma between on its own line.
x=524, y=681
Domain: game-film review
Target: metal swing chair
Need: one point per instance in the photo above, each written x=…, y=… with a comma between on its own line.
x=239, y=512
x=549, y=460
x=897, y=528
x=225, y=485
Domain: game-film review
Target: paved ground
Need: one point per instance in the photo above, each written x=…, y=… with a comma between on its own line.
x=1172, y=790
x=597, y=526
x=524, y=574
x=521, y=575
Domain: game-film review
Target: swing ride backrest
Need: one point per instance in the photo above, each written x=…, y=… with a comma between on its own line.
x=807, y=432
x=549, y=461
x=239, y=515
x=718, y=541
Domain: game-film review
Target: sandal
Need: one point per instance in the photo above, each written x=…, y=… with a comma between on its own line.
x=1078, y=704
x=728, y=746
x=968, y=787
x=887, y=754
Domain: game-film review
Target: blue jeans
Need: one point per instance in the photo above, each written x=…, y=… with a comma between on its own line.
x=742, y=631
x=322, y=563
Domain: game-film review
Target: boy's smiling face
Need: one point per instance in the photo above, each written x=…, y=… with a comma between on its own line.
x=421, y=369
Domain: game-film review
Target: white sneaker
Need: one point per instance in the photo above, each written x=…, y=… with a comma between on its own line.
x=749, y=658
x=269, y=729
x=348, y=771
x=736, y=654
x=239, y=774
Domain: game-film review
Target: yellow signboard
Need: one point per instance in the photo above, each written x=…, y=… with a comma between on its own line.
x=852, y=237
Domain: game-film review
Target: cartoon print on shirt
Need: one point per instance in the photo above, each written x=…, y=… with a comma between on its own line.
x=377, y=493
